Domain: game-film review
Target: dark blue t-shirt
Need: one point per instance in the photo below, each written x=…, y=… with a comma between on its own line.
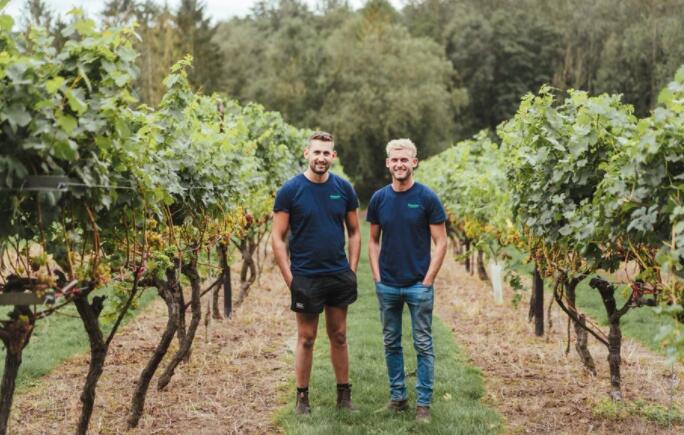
x=404, y=219
x=317, y=215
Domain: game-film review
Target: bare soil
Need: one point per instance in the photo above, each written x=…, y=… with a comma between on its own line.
x=230, y=385
x=531, y=380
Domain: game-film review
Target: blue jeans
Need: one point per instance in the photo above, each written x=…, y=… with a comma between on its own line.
x=420, y=300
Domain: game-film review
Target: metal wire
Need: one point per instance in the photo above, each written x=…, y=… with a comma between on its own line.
x=64, y=187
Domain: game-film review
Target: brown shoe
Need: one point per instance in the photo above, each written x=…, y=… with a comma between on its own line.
x=423, y=414
x=397, y=405
x=302, y=407
x=344, y=400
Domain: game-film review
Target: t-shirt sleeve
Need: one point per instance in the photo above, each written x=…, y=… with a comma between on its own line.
x=436, y=213
x=372, y=212
x=353, y=199
x=283, y=199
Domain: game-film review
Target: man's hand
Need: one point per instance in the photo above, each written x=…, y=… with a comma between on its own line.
x=439, y=237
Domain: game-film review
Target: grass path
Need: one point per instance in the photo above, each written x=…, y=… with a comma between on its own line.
x=456, y=409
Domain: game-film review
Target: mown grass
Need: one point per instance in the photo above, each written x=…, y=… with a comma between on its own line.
x=60, y=336
x=457, y=407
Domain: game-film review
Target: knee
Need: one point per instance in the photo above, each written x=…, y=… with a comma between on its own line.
x=392, y=342
x=307, y=341
x=423, y=346
x=338, y=338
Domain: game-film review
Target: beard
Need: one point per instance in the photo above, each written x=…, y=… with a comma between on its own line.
x=406, y=174
x=316, y=167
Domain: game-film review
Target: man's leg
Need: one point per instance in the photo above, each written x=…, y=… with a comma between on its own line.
x=336, y=325
x=307, y=326
x=420, y=300
x=391, y=307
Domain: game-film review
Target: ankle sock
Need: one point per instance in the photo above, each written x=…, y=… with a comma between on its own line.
x=303, y=390
x=343, y=386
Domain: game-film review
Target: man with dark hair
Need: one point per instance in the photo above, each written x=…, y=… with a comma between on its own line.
x=315, y=207
x=408, y=215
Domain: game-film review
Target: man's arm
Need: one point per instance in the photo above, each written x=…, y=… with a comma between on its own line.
x=439, y=237
x=281, y=223
x=374, y=250
x=354, y=238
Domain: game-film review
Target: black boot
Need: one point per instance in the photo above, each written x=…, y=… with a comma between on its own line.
x=302, y=407
x=344, y=400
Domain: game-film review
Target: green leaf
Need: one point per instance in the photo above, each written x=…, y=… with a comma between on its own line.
x=65, y=150
x=6, y=23
x=54, y=85
x=17, y=115
x=75, y=102
x=67, y=122
x=77, y=12
x=84, y=76
x=121, y=79
x=127, y=54
x=85, y=27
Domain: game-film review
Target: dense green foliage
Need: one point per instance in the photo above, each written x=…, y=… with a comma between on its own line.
x=432, y=71
x=471, y=180
x=73, y=113
x=587, y=185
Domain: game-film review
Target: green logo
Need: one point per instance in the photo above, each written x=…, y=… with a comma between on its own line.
x=335, y=196
x=413, y=205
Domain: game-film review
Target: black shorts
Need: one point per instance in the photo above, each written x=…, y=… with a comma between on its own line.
x=311, y=293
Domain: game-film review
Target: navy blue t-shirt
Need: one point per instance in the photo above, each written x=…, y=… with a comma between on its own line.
x=317, y=215
x=404, y=219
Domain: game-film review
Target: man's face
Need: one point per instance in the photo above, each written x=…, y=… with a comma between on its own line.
x=320, y=155
x=401, y=164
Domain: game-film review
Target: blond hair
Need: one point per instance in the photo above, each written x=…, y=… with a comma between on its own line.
x=401, y=144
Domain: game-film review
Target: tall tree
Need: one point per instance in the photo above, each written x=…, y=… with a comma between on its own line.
x=196, y=33
x=38, y=13
x=383, y=84
x=640, y=55
x=157, y=45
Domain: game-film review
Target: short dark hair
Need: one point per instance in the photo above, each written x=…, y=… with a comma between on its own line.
x=323, y=136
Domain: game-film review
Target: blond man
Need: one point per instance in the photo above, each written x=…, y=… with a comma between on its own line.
x=408, y=216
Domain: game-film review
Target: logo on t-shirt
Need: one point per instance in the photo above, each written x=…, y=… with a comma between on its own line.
x=335, y=196
x=411, y=205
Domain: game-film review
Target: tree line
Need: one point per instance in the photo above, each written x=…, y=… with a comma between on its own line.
x=434, y=71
